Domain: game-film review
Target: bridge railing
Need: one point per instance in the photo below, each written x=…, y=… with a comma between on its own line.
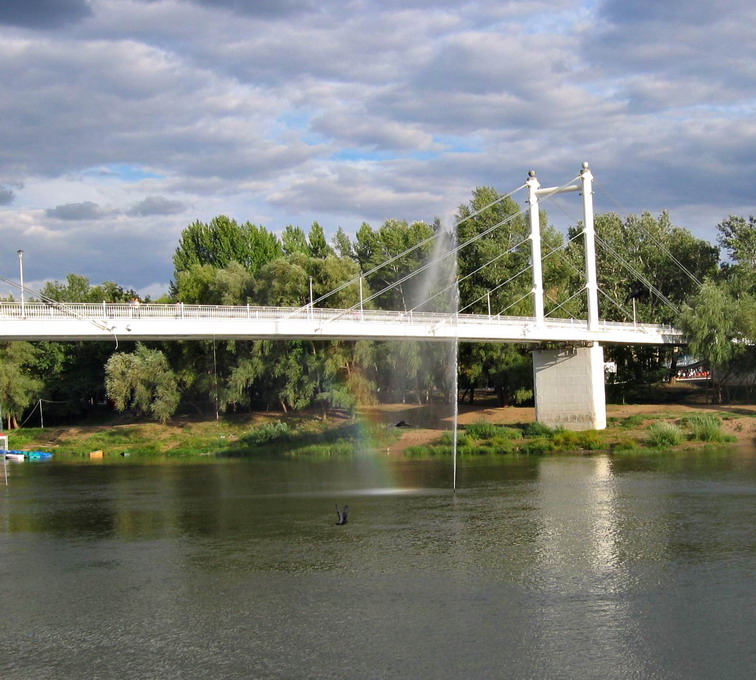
x=106, y=311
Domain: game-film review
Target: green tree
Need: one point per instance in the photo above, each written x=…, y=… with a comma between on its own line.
x=205, y=284
x=77, y=288
x=720, y=329
x=343, y=245
x=738, y=237
x=74, y=372
x=294, y=240
x=143, y=381
x=646, y=245
x=223, y=241
x=374, y=248
x=641, y=269
x=18, y=386
x=316, y=241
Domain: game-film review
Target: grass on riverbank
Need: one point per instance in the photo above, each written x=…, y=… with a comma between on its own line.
x=632, y=433
x=482, y=431
x=294, y=435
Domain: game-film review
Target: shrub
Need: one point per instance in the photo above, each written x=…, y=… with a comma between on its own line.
x=505, y=443
x=508, y=433
x=566, y=439
x=662, y=434
x=590, y=440
x=537, y=447
x=705, y=427
x=538, y=430
x=491, y=431
x=462, y=440
x=481, y=430
x=633, y=422
x=267, y=433
x=624, y=444
x=502, y=446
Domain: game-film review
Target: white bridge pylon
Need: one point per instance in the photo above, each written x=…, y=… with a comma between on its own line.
x=586, y=188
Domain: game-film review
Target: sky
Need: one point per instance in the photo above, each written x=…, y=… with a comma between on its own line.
x=124, y=121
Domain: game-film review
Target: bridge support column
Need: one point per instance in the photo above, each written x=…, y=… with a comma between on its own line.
x=569, y=387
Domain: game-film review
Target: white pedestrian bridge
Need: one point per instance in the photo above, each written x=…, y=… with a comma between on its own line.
x=79, y=321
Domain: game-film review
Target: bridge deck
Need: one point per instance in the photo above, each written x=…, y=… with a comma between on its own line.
x=76, y=321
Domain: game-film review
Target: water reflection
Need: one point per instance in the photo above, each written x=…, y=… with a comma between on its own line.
x=545, y=567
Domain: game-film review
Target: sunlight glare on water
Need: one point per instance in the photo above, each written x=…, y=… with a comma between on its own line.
x=574, y=567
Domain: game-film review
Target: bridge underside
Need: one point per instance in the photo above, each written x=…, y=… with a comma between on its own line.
x=467, y=328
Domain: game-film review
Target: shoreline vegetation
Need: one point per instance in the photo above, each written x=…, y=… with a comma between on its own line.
x=401, y=430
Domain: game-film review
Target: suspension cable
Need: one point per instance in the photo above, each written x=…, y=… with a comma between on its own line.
x=472, y=239
x=638, y=274
x=430, y=263
x=467, y=276
x=517, y=301
x=656, y=241
x=559, y=306
x=409, y=250
x=61, y=306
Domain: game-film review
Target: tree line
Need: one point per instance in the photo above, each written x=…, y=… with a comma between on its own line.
x=223, y=262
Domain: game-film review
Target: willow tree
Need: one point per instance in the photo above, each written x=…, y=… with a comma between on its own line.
x=18, y=386
x=142, y=381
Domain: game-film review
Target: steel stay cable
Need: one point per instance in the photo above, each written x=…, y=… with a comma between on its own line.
x=616, y=304
x=429, y=264
x=522, y=271
x=457, y=248
x=407, y=252
x=56, y=304
x=467, y=276
x=658, y=243
x=559, y=306
x=611, y=251
x=517, y=301
x=637, y=273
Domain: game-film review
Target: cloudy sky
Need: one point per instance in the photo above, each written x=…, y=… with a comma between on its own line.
x=125, y=120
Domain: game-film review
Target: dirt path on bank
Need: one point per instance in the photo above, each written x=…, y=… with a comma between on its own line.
x=425, y=423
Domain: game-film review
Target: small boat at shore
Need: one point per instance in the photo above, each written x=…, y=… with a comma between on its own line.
x=27, y=455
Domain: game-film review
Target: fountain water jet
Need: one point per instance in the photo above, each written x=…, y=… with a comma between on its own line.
x=439, y=292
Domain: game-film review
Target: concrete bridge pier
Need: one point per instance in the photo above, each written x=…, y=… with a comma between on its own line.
x=569, y=387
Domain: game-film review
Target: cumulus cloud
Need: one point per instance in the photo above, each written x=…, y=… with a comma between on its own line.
x=6, y=195
x=43, y=13
x=168, y=110
x=156, y=205
x=76, y=211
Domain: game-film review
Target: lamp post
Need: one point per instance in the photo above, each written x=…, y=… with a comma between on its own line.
x=21, y=274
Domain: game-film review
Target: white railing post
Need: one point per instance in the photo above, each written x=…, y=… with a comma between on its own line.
x=589, y=234
x=535, y=247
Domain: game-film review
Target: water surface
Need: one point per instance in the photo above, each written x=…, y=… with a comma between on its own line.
x=553, y=567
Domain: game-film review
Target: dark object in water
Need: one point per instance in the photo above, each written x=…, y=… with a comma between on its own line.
x=402, y=423
x=342, y=515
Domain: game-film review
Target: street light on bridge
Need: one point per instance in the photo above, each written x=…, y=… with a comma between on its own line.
x=21, y=275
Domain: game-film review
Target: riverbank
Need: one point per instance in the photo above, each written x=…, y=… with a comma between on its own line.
x=396, y=429
x=626, y=423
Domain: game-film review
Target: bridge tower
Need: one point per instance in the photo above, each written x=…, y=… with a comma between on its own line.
x=568, y=381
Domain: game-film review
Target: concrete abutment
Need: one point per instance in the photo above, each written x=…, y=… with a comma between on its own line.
x=569, y=387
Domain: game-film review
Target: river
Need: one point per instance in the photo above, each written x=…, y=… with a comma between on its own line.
x=538, y=567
